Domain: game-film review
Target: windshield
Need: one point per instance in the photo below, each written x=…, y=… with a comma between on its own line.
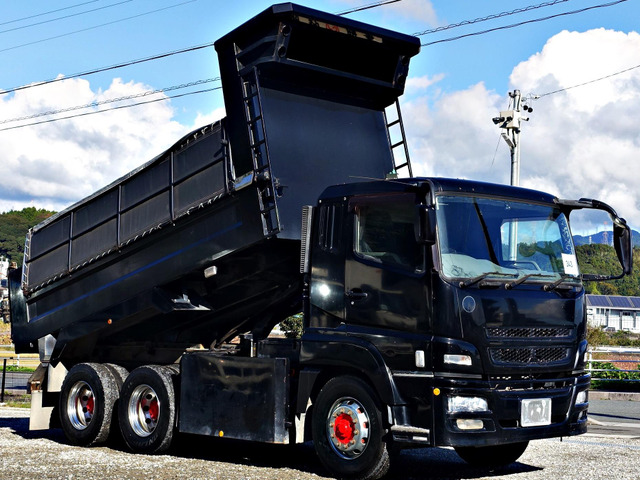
x=484, y=237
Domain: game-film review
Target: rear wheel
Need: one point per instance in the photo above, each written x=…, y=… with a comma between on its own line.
x=493, y=456
x=87, y=399
x=120, y=375
x=147, y=409
x=347, y=430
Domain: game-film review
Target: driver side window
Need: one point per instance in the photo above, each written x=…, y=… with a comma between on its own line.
x=385, y=232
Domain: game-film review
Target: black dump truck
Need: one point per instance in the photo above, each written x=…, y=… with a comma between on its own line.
x=437, y=312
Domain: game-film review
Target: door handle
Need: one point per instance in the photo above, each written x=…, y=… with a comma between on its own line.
x=356, y=294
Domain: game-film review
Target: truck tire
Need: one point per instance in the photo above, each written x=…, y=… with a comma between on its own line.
x=492, y=456
x=347, y=430
x=147, y=409
x=87, y=400
x=120, y=375
x=118, y=372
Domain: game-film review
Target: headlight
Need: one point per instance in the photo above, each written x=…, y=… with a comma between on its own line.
x=457, y=359
x=581, y=397
x=466, y=404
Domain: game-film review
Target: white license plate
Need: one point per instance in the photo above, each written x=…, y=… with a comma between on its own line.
x=535, y=412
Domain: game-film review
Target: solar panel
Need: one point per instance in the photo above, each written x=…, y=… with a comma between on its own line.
x=598, y=301
x=635, y=301
x=619, y=302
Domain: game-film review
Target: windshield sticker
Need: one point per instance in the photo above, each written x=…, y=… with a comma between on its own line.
x=570, y=264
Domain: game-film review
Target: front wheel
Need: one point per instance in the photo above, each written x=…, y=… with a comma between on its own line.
x=493, y=456
x=147, y=409
x=348, y=430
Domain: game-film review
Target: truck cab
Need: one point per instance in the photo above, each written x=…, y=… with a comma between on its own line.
x=461, y=303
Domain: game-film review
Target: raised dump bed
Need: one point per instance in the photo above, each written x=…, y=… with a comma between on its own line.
x=202, y=242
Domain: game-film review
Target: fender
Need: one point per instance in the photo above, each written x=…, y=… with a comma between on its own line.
x=335, y=351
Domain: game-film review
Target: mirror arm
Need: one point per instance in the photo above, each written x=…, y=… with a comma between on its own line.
x=588, y=203
x=591, y=277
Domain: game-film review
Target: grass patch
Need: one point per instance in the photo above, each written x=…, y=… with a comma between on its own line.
x=20, y=401
x=13, y=368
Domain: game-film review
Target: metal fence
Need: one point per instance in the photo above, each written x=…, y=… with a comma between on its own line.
x=13, y=384
x=614, y=364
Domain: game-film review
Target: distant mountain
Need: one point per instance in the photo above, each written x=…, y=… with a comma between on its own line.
x=603, y=238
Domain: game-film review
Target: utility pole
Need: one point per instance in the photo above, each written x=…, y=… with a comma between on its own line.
x=510, y=121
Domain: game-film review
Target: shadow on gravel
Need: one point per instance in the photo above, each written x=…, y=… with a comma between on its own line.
x=298, y=457
x=20, y=426
x=444, y=463
x=418, y=464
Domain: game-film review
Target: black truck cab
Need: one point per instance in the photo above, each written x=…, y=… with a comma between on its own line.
x=460, y=301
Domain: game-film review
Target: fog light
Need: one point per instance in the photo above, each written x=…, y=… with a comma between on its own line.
x=466, y=404
x=581, y=397
x=469, y=424
x=457, y=359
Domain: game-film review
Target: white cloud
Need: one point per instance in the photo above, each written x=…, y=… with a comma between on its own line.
x=55, y=164
x=582, y=142
x=207, y=118
x=455, y=137
x=421, y=10
x=422, y=83
x=418, y=10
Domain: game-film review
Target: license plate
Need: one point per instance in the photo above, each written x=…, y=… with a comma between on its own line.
x=535, y=412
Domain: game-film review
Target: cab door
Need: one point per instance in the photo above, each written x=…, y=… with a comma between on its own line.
x=385, y=265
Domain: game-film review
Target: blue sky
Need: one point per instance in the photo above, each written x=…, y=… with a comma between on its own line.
x=583, y=142
x=166, y=25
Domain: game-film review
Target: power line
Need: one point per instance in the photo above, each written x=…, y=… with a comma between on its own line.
x=535, y=97
x=95, y=26
x=368, y=6
x=535, y=20
x=489, y=17
x=112, y=67
x=64, y=17
x=48, y=13
x=51, y=120
x=111, y=100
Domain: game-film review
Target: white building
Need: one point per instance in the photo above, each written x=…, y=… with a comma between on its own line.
x=614, y=312
x=4, y=269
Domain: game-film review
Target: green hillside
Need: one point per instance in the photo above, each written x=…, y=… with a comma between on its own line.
x=13, y=229
x=601, y=259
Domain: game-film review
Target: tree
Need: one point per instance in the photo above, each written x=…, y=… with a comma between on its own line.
x=14, y=226
x=602, y=259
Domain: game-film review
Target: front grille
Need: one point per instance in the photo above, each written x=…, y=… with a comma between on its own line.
x=526, y=332
x=528, y=355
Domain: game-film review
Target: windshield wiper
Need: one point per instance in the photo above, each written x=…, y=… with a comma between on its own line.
x=523, y=279
x=482, y=276
x=552, y=286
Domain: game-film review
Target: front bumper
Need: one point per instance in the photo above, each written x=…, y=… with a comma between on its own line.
x=501, y=422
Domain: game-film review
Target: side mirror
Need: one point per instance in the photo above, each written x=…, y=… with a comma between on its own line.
x=623, y=244
x=425, y=224
x=619, y=236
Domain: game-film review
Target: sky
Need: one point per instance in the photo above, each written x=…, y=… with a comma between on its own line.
x=582, y=138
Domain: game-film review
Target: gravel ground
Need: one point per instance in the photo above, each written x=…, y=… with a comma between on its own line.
x=46, y=455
